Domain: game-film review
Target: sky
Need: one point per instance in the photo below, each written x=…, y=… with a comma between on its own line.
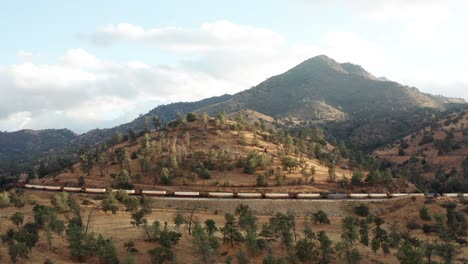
x=95, y=64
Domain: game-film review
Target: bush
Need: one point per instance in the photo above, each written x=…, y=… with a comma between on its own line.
x=429, y=229
x=362, y=210
x=203, y=173
x=413, y=225
x=424, y=214
x=357, y=177
x=321, y=217
x=261, y=180
x=4, y=200
x=191, y=117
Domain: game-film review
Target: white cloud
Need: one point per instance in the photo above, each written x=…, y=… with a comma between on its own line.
x=27, y=55
x=82, y=92
x=219, y=35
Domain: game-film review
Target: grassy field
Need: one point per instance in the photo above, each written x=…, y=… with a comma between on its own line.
x=118, y=227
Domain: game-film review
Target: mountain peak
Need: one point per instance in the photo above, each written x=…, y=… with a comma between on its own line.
x=323, y=62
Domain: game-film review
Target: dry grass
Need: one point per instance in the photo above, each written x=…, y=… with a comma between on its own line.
x=119, y=228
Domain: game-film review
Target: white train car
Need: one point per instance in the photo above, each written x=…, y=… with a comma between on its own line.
x=378, y=195
x=465, y=195
x=153, y=193
x=416, y=194
x=276, y=195
x=187, y=194
x=358, y=195
x=308, y=195
x=32, y=186
x=249, y=195
x=52, y=188
x=72, y=189
x=397, y=195
x=221, y=194
x=95, y=190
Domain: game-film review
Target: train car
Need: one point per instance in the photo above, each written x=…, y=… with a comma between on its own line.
x=452, y=195
x=127, y=191
x=32, y=186
x=337, y=196
x=464, y=195
x=397, y=195
x=308, y=195
x=416, y=194
x=153, y=193
x=187, y=194
x=52, y=188
x=249, y=195
x=72, y=189
x=220, y=194
x=358, y=195
x=94, y=190
x=378, y=195
x=277, y=195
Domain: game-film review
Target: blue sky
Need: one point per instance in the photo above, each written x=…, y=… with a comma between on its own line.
x=88, y=64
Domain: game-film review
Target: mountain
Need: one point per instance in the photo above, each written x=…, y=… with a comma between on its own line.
x=352, y=104
x=27, y=145
x=436, y=156
x=346, y=89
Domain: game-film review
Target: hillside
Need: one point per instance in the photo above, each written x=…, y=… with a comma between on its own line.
x=26, y=145
x=218, y=154
x=437, y=155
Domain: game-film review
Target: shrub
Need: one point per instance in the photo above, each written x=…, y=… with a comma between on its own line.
x=362, y=210
x=424, y=214
x=321, y=217
x=413, y=225
x=203, y=173
x=357, y=177
x=4, y=200
x=191, y=117
x=261, y=180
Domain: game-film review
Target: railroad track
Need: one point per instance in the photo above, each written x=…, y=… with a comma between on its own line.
x=243, y=195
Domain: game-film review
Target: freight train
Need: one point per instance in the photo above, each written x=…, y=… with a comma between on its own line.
x=242, y=195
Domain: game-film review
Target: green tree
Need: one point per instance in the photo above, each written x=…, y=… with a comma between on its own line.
x=161, y=255
x=17, y=218
x=424, y=214
x=230, y=230
x=364, y=232
x=349, y=236
x=123, y=180
x=106, y=251
x=325, y=248
x=210, y=227
x=321, y=217
x=204, y=246
x=86, y=162
x=109, y=203
x=306, y=250
x=156, y=122
x=409, y=254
